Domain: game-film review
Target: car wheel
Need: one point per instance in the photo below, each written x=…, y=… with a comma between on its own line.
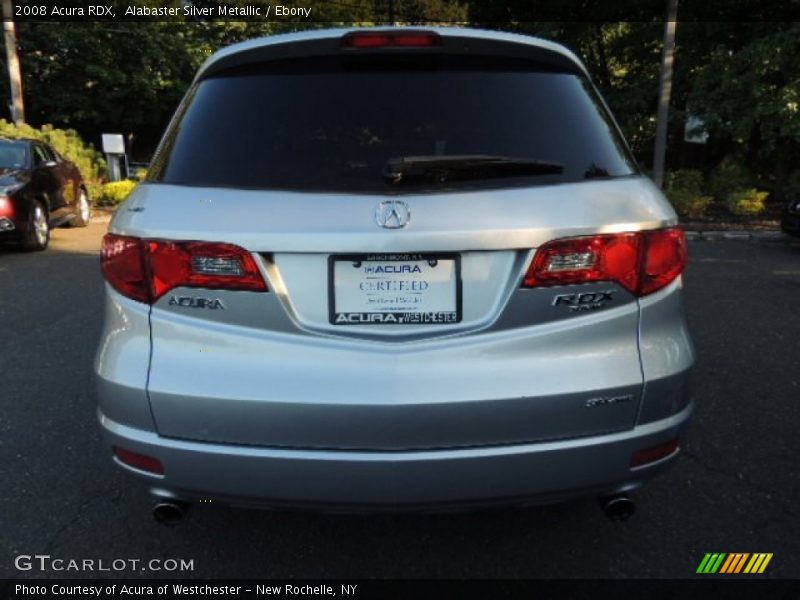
x=37, y=234
x=84, y=213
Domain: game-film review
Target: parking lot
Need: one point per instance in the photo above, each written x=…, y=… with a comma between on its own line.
x=734, y=489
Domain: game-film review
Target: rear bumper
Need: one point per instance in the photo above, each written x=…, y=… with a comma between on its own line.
x=525, y=473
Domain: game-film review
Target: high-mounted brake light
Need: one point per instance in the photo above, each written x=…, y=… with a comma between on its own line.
x=391, y=39
x=642, y=262
x=145, y=270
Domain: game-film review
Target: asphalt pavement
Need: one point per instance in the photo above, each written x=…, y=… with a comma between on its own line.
x=735, y=488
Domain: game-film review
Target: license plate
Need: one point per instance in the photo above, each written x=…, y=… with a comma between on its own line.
x=395, y=289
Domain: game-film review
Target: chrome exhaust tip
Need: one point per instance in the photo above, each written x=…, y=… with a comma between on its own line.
x=619, y=507
x=170, y=512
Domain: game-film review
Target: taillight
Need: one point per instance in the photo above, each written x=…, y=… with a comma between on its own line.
x=202, y=265
x=6, y=209
x=122, y=261
x=585, y=259
x=664, y=258
x=642, y=262
x=391, y=39
x=145, y=270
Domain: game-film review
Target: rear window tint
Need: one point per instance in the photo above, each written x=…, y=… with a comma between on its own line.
x=333, y=124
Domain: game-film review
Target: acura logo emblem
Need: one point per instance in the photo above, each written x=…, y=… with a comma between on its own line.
x=392, y=214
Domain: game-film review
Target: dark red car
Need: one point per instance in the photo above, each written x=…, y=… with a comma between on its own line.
x=39, y=190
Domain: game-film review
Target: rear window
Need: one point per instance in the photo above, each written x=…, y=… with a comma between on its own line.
x=334, y=124
x=13, y=155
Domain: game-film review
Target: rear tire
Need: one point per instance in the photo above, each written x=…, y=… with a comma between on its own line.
x=84, y=214
x=37, y=234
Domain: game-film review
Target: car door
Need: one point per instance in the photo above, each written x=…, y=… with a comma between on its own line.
x=69, y=178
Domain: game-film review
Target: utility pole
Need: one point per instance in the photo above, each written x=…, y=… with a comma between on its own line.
x=665, y=89
x=14, y=76
x=391, y=12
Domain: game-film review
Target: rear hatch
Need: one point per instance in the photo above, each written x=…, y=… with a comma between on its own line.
x=393, y=202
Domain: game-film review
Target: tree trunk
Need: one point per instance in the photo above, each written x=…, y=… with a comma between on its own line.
x=15, y=78
x=667, y=59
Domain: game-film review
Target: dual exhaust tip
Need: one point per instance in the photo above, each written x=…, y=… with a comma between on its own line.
x=618, y=507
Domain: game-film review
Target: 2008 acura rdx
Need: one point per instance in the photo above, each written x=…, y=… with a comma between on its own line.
x=391, y=269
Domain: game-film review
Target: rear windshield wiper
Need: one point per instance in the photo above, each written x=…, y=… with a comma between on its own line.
x=465, y=166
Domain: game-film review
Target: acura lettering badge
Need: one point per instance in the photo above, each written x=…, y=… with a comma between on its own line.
x=392, y=214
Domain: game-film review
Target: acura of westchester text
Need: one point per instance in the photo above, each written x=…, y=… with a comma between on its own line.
x=182, y=590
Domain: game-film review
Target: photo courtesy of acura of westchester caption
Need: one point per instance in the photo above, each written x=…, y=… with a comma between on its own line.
x=393, y=269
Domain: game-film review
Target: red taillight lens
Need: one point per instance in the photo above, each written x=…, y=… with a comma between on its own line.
x=6, y=210
x=203, y=265
x=664, y=259
x=651, y=455
x=389, y=39
x=145, y=270
x=641, y=262
x=122, y=260
x=585, y=259
x=139, y=461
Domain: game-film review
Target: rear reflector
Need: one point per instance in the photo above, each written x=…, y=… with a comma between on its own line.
x=651, y=455
x=641, y=262
x=139, y=461
x=391, y=39
x=145, y=270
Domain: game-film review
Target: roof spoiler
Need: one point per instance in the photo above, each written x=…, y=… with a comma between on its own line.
x=334, y=42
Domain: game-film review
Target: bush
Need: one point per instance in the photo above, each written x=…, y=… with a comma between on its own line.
x=66, y=142
x=749, y=202
x=727, y=178
x=111, y=194
x=684, y=188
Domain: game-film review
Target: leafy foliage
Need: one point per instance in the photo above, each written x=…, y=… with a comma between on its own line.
x=112, y=193
x=748, y=202
x=684, y=188
x=728, y=177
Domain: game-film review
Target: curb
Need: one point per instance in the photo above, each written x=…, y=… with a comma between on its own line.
x=756, y=235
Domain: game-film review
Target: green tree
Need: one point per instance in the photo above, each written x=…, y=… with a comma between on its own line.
x=750, y=96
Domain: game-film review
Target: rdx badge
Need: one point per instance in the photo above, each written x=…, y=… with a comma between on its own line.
x=584, y=301
x=192, y=302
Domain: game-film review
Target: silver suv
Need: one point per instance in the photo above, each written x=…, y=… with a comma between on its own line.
x=393, y=268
